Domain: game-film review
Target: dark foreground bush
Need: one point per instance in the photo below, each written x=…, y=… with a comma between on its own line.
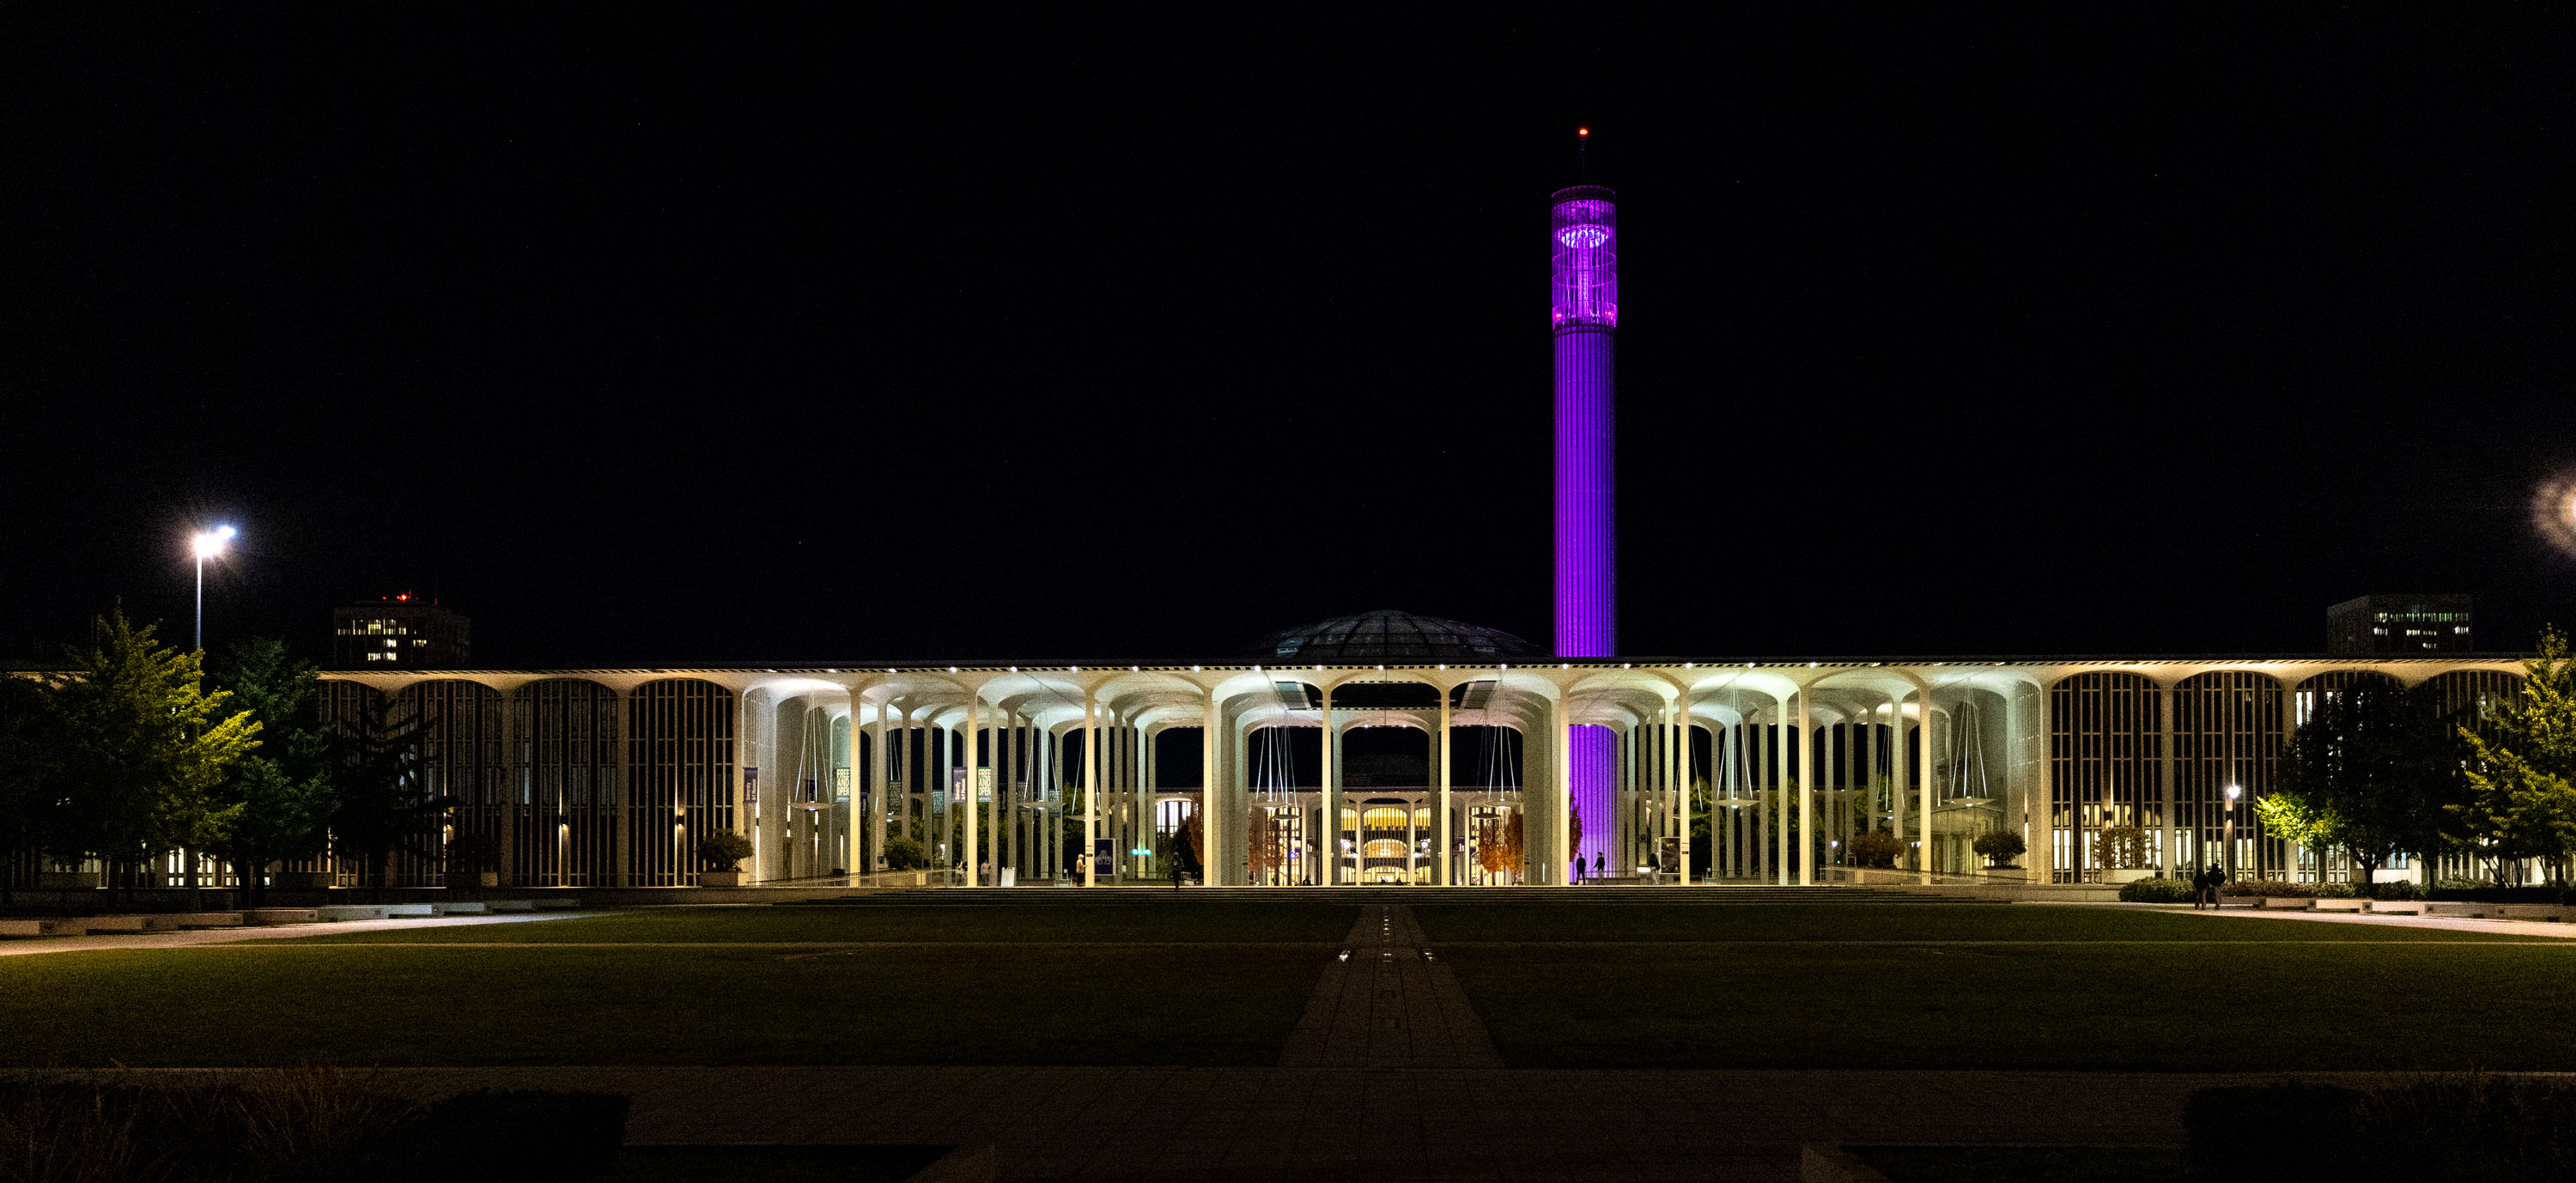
x=303, y=1126
x=2492, y=1129
x=2156, y=891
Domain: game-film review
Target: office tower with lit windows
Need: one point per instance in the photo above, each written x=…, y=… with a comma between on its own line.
x=401, y=633
x=2401, y=624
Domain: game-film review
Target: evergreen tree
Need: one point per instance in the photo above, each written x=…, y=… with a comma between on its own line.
x=382, y=803
x=137, y=748
x=276, y=804
x=2522, y=767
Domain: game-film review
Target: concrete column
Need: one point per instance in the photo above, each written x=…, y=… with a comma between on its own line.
x=1777, y=814
x=1331, y=837
x=974, y=763
x=1682, y=789
x=1923, y=782
x=1090, y=788
x=1440, y=840
x=2165, y=779
x=1560, y=734
x=1806, y=791
x=617, y=784
x=1900, y=774
x=508, y=786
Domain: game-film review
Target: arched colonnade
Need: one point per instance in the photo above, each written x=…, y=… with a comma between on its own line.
x=609, y=777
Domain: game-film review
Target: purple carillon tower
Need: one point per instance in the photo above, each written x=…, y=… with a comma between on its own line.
x=1583, y=233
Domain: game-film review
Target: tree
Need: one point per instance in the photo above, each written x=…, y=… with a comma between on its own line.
x=1574, y=834
x=137, y=748
x=22, y=774
x=2522, y=768
x=382, y=804
x=2367, y=774
x=2124, y=848
x=275, y=804
x=1999, y=848
x=903, y=852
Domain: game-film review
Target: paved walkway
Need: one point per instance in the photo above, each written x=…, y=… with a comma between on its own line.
x=1310, y=1124
x=191, y=938
x=1387, y=1003
x=2512, y=928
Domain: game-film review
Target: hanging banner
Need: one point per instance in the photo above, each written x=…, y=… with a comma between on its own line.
x=841, y=786
x=983, y=786
x=1104, y=858
x=751, y=786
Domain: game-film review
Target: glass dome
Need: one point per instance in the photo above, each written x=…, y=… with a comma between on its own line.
x=1394, y=636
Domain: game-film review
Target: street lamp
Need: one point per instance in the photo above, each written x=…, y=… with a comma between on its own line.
x=207, y=544
x=2227, y=850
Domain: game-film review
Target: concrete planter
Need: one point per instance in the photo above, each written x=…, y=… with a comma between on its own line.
x=210, y=919
x=2343, y=905
x=258, y=916
x=511, y=905
x=2532, y=912
x=2240, y=901
x=2286, y=904
x=719, y=878
x=2397, y=907
x=339, y=912
x=417, y=910
x=463, y=908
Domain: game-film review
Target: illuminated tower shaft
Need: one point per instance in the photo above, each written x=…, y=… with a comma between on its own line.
x=1583, y=228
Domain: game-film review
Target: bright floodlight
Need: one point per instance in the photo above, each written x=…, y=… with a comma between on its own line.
x=2232, y=791
x=209, y=543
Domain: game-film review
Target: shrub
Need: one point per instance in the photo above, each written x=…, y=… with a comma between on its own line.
x=1999, y=848
x=299, y=1126
x=2156, y=891
x=2336, y=891
x=904, y=853
x=723, y=850
x=2270, y=889
x=2455, y=883
x=2507, y=1129
x=1877, y=848
x=2403, y=889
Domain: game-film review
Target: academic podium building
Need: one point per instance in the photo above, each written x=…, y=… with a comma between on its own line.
x=610, y=777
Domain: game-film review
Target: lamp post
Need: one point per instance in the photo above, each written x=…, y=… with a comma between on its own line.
x=2227, y=850
x=207, y=544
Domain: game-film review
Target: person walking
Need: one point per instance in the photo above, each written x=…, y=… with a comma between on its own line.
x=1596, y=865
x=2217, y=879
x=2199, y=889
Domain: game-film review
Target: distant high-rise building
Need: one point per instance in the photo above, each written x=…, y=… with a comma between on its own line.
x=2400, y=624
x=401, y=633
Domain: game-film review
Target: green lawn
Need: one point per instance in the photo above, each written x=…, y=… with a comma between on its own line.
x=1897, y=986
x=926, y=923
x=1662, y=987
x=340, y=1001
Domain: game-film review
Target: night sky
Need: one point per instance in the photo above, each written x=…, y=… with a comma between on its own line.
x=650, y=336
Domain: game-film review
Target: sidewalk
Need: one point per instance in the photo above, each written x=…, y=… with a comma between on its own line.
x=189, y=938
